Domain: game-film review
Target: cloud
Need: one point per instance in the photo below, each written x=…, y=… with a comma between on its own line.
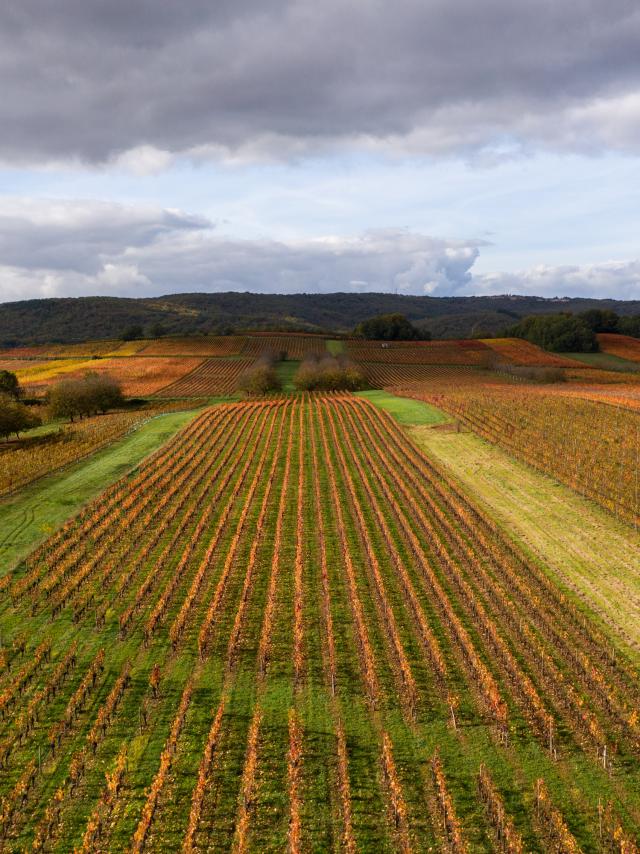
x=612, y=279
x=67, y=248
x=135, y=84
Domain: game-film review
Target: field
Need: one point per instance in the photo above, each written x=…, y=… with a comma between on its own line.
x=295, y=346
x=138, y=376
x=59, y=444
x=591, y=445
x=221, y=345
x=514, y=351
x=553, y=523
x=622, y=346
x=33, y=512
x=211, y=377
x=420, y=352
x=289, y=629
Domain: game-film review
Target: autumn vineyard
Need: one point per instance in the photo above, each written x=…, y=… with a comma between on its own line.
x=289, y=627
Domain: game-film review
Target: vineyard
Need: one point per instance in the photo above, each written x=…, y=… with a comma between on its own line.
x=211, y=377
x=591, y=445
x=26, y=461
x=622, y=346
x=222, y=345
x=295, y=346
x=515, y=351
x=138, y=376
x=420, y=352
x=288, y=630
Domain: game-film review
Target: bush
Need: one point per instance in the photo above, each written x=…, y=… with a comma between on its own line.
x=535, y=374
x=15, y=417
x=560, y=333
x=390, y=327
x=260, y=378
x=329, y=374
x=90, y=395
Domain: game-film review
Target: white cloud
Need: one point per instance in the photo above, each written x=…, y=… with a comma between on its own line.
x=611, y=279
x=54, y=248
x=65, y=248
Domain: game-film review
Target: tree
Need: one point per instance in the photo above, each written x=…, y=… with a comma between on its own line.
x=15, y=417
x=630, y=326
x=560, y=333
x=600, y=320
x=9, y=384
x=260, y=378
x=132, y=333
x=390, y=327
x=156, y=330
x=89, y=395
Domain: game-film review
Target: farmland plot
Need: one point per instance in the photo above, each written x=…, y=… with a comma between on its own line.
x=288, y=630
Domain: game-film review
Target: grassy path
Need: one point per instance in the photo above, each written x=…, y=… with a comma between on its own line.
x=37, y=510
x=586, y=549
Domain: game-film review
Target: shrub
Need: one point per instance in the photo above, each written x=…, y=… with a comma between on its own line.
x=535, y=374
x=329, y=374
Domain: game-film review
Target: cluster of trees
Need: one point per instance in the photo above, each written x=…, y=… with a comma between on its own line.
x=390, y=327
x=559, y=333
x=602, y=320
x=135, y=332
x=574, y=333
x=260, y=378
x=15, y=417
x=329, y=373
x=90, y=395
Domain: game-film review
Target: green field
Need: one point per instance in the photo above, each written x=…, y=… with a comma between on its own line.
x=406, y=411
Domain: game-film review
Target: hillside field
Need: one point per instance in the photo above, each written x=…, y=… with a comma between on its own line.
x=399, y=620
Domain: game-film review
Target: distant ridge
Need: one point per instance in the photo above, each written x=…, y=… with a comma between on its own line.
x=82, y=318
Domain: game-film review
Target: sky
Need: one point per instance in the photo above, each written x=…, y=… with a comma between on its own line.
x=438, y=147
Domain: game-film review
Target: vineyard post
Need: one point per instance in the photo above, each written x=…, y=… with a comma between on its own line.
x=600, y=816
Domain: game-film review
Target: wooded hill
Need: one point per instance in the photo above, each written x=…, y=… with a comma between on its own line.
x=83, y=318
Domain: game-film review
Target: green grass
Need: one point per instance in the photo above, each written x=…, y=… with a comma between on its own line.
x=572, y=536
x=335, y=347
x=38, y=509
x=604, y=361
x=285, y=371
x=405, y=411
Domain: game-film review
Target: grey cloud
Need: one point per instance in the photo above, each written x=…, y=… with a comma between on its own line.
x=93, y=79
x=76, y=236
x=70, y=248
